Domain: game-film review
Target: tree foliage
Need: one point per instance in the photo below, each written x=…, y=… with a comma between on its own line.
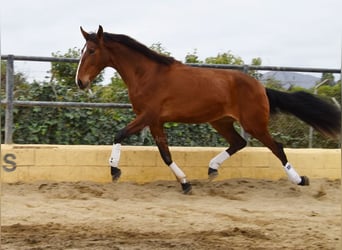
x=329, y=77
x=192, y=57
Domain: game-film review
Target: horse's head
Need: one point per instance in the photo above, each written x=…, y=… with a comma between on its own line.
x=93, y=58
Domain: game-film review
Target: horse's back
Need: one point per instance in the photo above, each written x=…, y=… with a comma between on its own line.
x=229, y=85
x=218, y=78
x=197, y=95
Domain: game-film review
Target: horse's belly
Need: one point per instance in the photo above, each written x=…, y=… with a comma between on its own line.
x=192, y=112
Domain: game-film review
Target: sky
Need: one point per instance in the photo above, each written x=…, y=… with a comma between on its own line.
x=303, y=33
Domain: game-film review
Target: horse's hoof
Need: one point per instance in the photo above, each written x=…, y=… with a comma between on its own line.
x=186, y=188
x=212, y=173
x=116, y=173
x=305, y=181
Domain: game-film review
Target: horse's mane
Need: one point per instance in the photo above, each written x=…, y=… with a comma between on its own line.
x=135, y=45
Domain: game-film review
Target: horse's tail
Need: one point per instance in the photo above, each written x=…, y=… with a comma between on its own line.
x=321, y=115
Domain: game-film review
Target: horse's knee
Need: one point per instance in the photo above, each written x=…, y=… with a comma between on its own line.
x=120, y=136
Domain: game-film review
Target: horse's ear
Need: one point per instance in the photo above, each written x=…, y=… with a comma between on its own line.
x=85, y=34
x=99, y=34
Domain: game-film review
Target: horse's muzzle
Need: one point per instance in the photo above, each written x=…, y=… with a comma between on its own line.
x=81, y=85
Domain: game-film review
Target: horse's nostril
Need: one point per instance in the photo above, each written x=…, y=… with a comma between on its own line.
x=79, y=83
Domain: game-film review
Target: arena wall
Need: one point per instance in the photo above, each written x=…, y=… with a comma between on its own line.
x=27, y=163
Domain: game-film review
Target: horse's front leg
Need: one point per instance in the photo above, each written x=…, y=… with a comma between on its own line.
x=132, y=128
x=160, y=138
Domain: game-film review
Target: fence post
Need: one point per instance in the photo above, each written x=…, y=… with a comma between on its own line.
x=9, y=99
x=244, y=134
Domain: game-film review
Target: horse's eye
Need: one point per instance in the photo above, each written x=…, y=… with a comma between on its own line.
x=91, y=51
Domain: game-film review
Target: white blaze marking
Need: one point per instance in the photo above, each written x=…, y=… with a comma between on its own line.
x=79, y=63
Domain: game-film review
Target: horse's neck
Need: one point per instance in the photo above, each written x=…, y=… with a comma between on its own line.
x=133, y=67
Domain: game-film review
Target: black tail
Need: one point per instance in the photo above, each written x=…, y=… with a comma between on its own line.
x=321, y=115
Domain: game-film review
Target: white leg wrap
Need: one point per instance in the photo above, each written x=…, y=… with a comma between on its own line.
x=216, y=162
x=292, y=174
x=115, y=156
x=178, y=172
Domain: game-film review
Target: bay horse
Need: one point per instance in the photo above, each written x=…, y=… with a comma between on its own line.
x=162, y=89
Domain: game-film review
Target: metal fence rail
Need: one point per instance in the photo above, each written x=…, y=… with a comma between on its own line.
x=68, y=104
x=267, y=68
x=217, y=66
x=39, y=58
x=9, y=102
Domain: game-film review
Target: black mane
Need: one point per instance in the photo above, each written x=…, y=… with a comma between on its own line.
x=135, y=45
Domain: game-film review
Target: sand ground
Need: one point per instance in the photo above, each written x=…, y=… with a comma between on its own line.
x=230, y=214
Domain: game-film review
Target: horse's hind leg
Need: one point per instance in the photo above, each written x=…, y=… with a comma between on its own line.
x=277, y=150
x=225, y=127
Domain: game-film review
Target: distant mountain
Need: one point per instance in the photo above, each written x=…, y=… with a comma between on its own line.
x=288, y=79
